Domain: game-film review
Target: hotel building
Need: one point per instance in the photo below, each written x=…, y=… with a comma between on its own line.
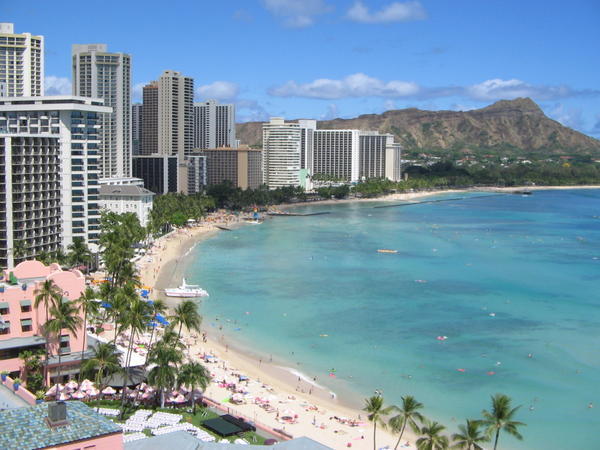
x=242, y=166
x=21, y=322
x=292, y=150
x=281, y=153
x=214, y=125
x=126, y=198
x=101, y=74
x=49, y=171
x=167, y=127
x=21, y=62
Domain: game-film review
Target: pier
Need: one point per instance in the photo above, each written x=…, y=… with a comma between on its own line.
x=275, y=214
x=438, y=201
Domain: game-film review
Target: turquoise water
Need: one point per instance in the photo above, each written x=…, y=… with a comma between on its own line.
x=501, y=276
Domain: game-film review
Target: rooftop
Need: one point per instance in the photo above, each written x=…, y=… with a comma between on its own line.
x=124, y=190
x=27, y=427
x=182, y=440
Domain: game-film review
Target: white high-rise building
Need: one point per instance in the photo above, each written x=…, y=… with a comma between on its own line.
x=50, y=173
x=21, y=62
x=281, y=153
x=336, y=154
x=214, y=125
x=100, y=74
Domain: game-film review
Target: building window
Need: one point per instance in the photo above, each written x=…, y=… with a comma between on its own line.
x=4, y=327
x=25, y=306
x=26, y=325
x=64, y=344
x=3, y=308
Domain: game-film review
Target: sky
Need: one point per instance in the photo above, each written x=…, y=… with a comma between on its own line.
x=323, y=59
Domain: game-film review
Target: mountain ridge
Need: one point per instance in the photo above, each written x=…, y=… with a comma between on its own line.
x=516, y=127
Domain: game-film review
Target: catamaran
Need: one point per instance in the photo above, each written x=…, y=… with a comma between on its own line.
x=186, y=290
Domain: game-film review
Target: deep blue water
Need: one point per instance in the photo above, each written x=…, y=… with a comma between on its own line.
x=532, y=262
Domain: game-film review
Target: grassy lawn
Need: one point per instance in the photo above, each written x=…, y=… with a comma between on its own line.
x=201, y=415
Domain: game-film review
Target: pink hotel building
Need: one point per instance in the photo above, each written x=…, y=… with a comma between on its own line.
x=21, y=322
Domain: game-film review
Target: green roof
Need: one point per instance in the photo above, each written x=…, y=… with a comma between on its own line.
x=26, y=428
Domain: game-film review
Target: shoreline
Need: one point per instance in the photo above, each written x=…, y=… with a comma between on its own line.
x=283, y=378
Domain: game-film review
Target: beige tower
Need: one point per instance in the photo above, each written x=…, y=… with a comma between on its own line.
x=21, y=63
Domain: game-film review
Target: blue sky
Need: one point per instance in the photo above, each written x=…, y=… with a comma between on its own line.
x=341, y=58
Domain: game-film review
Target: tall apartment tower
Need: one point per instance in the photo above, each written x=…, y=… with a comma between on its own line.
x=281, y=153
x=214, y=125
x=48, y=174
x=149, y=137
x=167, y=125
x=136, y=127
x=21, y=62
x=100, y=74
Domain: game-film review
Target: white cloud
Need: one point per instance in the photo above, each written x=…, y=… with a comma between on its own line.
x=57, y=85
x=569, y=117
x=496, y=89
x=250, y=111
x=356, y=85
x=332, y=112
x=296, y=13
x=394, y=12
x=388, y=105
x=219, y=90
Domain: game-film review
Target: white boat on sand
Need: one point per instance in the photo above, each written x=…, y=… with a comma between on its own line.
x=186, y=290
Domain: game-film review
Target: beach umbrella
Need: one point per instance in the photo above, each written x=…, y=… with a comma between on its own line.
x=86, y=385
x=179, y=399
x=109, y=391
x=78, y=395
x=147, y=395
x=93, y=392
x=72, y=384
x=64, y=396
x=51, y=391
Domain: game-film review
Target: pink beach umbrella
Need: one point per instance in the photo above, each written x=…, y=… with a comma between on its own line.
x=93, y=392
x=78, y=395
x=147, y=395
x=52, y=391
x=179, y=399
x=86, y=385
x=64, y=396
x=109, y=391
x=72, y=384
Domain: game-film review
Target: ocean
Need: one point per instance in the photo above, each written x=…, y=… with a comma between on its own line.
x=512, y=282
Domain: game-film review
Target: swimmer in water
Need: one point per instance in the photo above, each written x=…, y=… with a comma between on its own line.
x=530, y=355
x=590, y=405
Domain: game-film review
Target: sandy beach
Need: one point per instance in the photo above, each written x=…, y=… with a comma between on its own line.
x=315, y=411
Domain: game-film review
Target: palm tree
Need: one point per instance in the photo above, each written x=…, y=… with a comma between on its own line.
x=469, y=437
x=156, y=307
x=50, y=295
x=89, y=305
x=65, y=316
x=375, y=409
x=186, y=313
x=500, y=418
x=79, y=253
x=408, y=415
x=135, y=317
x=164, y=375
x=432, y=439
x=193, y=375
x=105, y=361
x=20, y=249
